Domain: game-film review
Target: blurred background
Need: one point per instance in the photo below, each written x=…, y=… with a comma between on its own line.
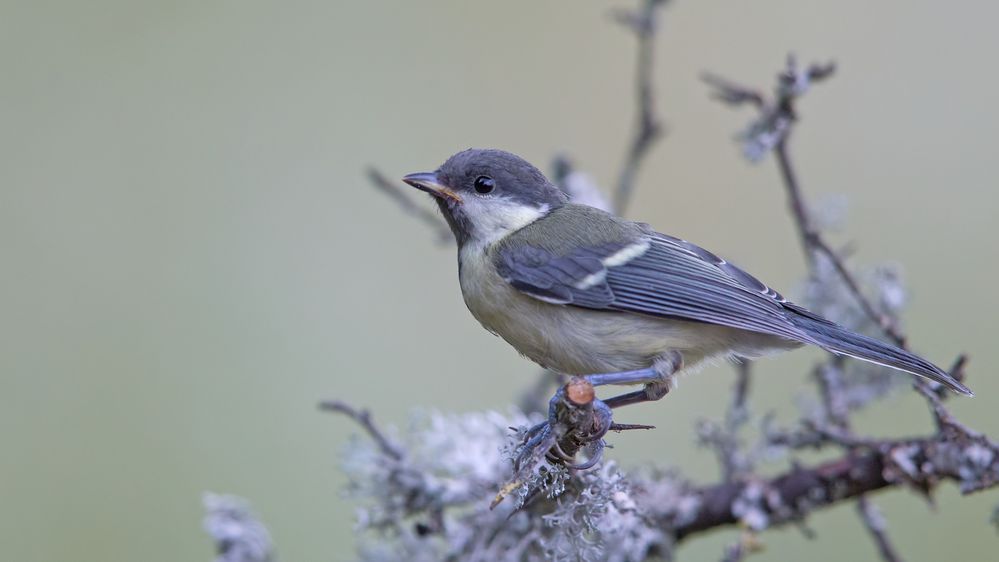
x=193, y=258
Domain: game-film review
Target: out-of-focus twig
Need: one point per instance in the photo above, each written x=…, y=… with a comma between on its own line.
x=737, y=412
x=723, y=438
x=579, y=186
x=363, y=418
x=830, y=384
x=746, y=544
x=647, y=126
x=398, y=194
x=812, y=242
x=876, y=525
x=944, y=419
x=734, y=553
x=772, y=130
x=731, y=93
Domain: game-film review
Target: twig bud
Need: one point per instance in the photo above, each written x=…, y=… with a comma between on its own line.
x=579, y=391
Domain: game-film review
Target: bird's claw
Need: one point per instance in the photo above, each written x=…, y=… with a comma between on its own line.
x=569, y=429
x=577, y=423
x=536, y=442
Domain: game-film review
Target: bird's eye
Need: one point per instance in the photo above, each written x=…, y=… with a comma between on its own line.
x=484, y=184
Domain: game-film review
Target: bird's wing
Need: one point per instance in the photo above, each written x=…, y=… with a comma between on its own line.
x=652, y=274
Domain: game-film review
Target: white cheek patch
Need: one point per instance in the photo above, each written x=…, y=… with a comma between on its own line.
x=494, y=218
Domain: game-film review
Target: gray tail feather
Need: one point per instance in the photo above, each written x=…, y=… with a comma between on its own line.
x=837, y=339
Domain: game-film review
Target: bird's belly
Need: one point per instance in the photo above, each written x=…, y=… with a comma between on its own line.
x=576, y=340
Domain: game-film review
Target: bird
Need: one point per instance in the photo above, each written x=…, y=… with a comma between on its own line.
x=581, y=291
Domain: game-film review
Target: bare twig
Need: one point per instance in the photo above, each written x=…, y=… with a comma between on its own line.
x=884, y=321
x=724, y=438
x=734, y=553
x=876, y=525
x=732, y=93
x=806, y=234
x=746, y=544
x=839, y=436
x=647, y=126
x=398, y=194
x=830, y=377
x=944, y=419
x=737, y=412
x=724, y=442
x=812, y=242
x=363, y=418
x=830, y=384
x=773, y=129
x=579, y=186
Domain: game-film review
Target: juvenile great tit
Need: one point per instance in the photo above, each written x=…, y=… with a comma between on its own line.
x=583, y=292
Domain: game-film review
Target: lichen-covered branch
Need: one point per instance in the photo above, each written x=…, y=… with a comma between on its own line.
x=239, y=536
x=772, y=131
x=438, y=493
x=920, y=464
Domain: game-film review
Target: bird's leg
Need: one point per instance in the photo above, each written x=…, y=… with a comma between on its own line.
x=578, y=420
x=659, y=380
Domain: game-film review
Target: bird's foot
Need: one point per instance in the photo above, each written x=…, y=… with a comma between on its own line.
x=577, y=422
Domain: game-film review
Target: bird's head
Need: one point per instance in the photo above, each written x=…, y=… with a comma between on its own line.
x=486, y=194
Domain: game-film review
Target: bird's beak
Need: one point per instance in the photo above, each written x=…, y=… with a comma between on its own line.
x=427, y=181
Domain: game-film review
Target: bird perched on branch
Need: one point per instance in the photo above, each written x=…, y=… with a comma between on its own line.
x=583, y=292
